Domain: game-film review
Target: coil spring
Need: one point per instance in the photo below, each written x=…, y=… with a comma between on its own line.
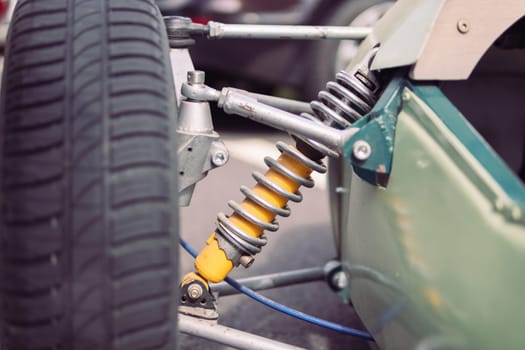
x=246, y=243
x=345, y=100
x=349, y=98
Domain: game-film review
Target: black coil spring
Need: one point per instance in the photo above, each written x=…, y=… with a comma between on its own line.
x=345, y=100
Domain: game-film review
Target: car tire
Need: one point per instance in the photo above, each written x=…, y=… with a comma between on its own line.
x=88, y=236
x=325, y=55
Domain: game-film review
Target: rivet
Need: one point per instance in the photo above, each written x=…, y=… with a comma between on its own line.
x=463, y=26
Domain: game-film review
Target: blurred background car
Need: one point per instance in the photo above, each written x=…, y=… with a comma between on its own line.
x=6, y=9
x=299, y=68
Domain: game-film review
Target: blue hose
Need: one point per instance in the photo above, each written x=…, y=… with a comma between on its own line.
x=285, y=309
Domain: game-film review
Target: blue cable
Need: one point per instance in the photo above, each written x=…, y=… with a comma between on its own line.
x=285, y=309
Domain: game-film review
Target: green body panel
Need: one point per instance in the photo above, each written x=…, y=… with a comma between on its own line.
x=434, y=260
x=377, y=128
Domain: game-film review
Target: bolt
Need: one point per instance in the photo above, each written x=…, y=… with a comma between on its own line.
x=362, y=150
x=246, y=260
x=339, y=280
x=195, y=291
x=195, y=77
x=405, y=96
x=463, y=26
x=219, y=158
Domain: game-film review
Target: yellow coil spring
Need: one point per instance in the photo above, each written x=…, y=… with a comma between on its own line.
x=243, y=230
x=241, y=235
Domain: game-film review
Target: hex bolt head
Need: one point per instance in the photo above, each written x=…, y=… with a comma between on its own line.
x=195, y=291
x=361, y=150
x=219, y=158
x=196, y=77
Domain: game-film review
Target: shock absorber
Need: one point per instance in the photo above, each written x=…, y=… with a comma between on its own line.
x=240, y=236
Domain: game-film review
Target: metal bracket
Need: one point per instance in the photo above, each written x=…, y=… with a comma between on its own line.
x=371, y=149
x=197, y=301
x=199, y=146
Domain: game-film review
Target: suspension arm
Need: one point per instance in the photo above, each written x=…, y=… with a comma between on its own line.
x=233, y=101
x=179, y=27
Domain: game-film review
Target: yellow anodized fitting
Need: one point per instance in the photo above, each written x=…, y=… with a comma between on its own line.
x=212, y=262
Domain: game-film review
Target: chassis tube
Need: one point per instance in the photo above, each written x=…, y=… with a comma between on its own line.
x=274, y=280
x=228, y=336
x=253, y=31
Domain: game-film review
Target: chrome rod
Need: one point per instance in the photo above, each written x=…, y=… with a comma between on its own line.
x=253, y=31
x=228, y=336
x=274, y=280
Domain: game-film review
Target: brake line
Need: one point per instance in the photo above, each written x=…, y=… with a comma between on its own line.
x=285, y=309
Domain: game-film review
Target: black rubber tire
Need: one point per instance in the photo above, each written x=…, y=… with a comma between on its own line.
x=89, y=243
x=322, y=55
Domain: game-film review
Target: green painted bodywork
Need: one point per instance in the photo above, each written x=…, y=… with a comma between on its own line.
x=377, y=128
x=436, y=258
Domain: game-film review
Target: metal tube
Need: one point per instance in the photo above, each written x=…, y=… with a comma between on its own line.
x=251, y=31
x=274, y=280
x=181, y=64
x=236, y=103
x=285, y=104
x=228, y=336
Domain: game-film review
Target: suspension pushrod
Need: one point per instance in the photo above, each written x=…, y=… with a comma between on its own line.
x=274, y=280
x=236, y=103
x=286, y=104
x=256, y=31
x=228, y=336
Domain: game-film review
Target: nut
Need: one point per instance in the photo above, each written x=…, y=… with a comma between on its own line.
x=195, y=291
x=196, y=77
